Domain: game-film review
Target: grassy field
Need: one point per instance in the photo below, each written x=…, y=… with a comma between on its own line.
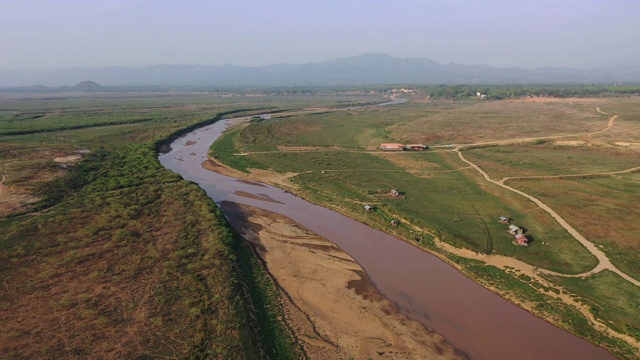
x=438, y=122
x=549, y=159
x=602, y=209
x=481, y=121
x=125, y=259
x=440, y=193
x=337, y=164
x=100, y=266
x=449, y=202
x=611, y=299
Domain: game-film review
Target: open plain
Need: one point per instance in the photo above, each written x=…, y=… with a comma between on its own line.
x=561, y=169
x=82, y=191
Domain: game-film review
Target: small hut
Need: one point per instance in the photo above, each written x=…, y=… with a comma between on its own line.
x=514, y=230
x=395, y=222
x=416, y=147
x=521, y=240
x=504, y=219
x=368, y=208
x=394, y=192
x=392, y=147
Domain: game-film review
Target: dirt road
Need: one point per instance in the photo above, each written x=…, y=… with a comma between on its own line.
x=603, y=260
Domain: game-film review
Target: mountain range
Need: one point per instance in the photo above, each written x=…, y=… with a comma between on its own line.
x=370, y=68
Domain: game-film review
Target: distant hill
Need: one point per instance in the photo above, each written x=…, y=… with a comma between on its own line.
x=371, y=68
x=87, y=85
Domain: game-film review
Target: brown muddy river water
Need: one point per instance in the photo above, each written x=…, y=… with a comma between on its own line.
x=473, y=319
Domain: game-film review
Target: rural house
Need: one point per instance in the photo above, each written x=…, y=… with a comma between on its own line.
x=513, y=230
x=392, y=147
x=521, y=240
x=416, y=147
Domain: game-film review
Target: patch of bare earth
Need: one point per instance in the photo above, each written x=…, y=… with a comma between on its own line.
x=22, y=169
x=417, y=167
x=332, y=306
x=571, y=143
x=13, y=200
x=297, y=148
x=267, y=176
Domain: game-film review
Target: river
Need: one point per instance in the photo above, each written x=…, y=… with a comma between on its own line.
x=474, y=320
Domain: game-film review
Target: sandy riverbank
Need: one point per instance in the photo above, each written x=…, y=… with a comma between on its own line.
x=330, y=303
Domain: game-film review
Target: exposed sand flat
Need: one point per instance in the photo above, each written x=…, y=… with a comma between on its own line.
x=628, y=144
x=571, y=143
x=69, y=159
x=332, y=306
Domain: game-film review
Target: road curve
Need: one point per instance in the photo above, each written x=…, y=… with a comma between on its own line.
x=603, y=260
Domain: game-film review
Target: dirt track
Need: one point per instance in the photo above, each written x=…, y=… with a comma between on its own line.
x=603, y=260
x=626, y=171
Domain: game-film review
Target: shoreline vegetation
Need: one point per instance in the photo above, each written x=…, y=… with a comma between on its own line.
x=119, y=257
x=120, y=246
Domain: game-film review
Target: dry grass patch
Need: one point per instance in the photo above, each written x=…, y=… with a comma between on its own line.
x=602, y=209
x=498, y=120
x=24, y=169
x=414, y=165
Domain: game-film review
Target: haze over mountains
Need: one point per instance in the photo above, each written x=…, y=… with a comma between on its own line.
x=370, y=68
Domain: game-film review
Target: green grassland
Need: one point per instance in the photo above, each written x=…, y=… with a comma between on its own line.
x=603, y=209
x=337, y=164
x=611, y=298
x=547, y=160
x=335, y=129
x=450, y=202
x=438, y=195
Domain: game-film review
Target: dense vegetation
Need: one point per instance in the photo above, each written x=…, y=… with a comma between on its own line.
x=125, y=259
x=497, y=92
x=493, y=92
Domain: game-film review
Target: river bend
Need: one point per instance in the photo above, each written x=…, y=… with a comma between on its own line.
x=476, y=321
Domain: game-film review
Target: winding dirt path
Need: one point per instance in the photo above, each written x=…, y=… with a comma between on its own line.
x=603, y=260
x=544, y=177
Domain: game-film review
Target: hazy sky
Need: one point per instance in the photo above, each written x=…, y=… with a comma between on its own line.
x=523, y=33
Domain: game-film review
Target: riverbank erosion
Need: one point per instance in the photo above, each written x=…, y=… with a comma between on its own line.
x=330, y=302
